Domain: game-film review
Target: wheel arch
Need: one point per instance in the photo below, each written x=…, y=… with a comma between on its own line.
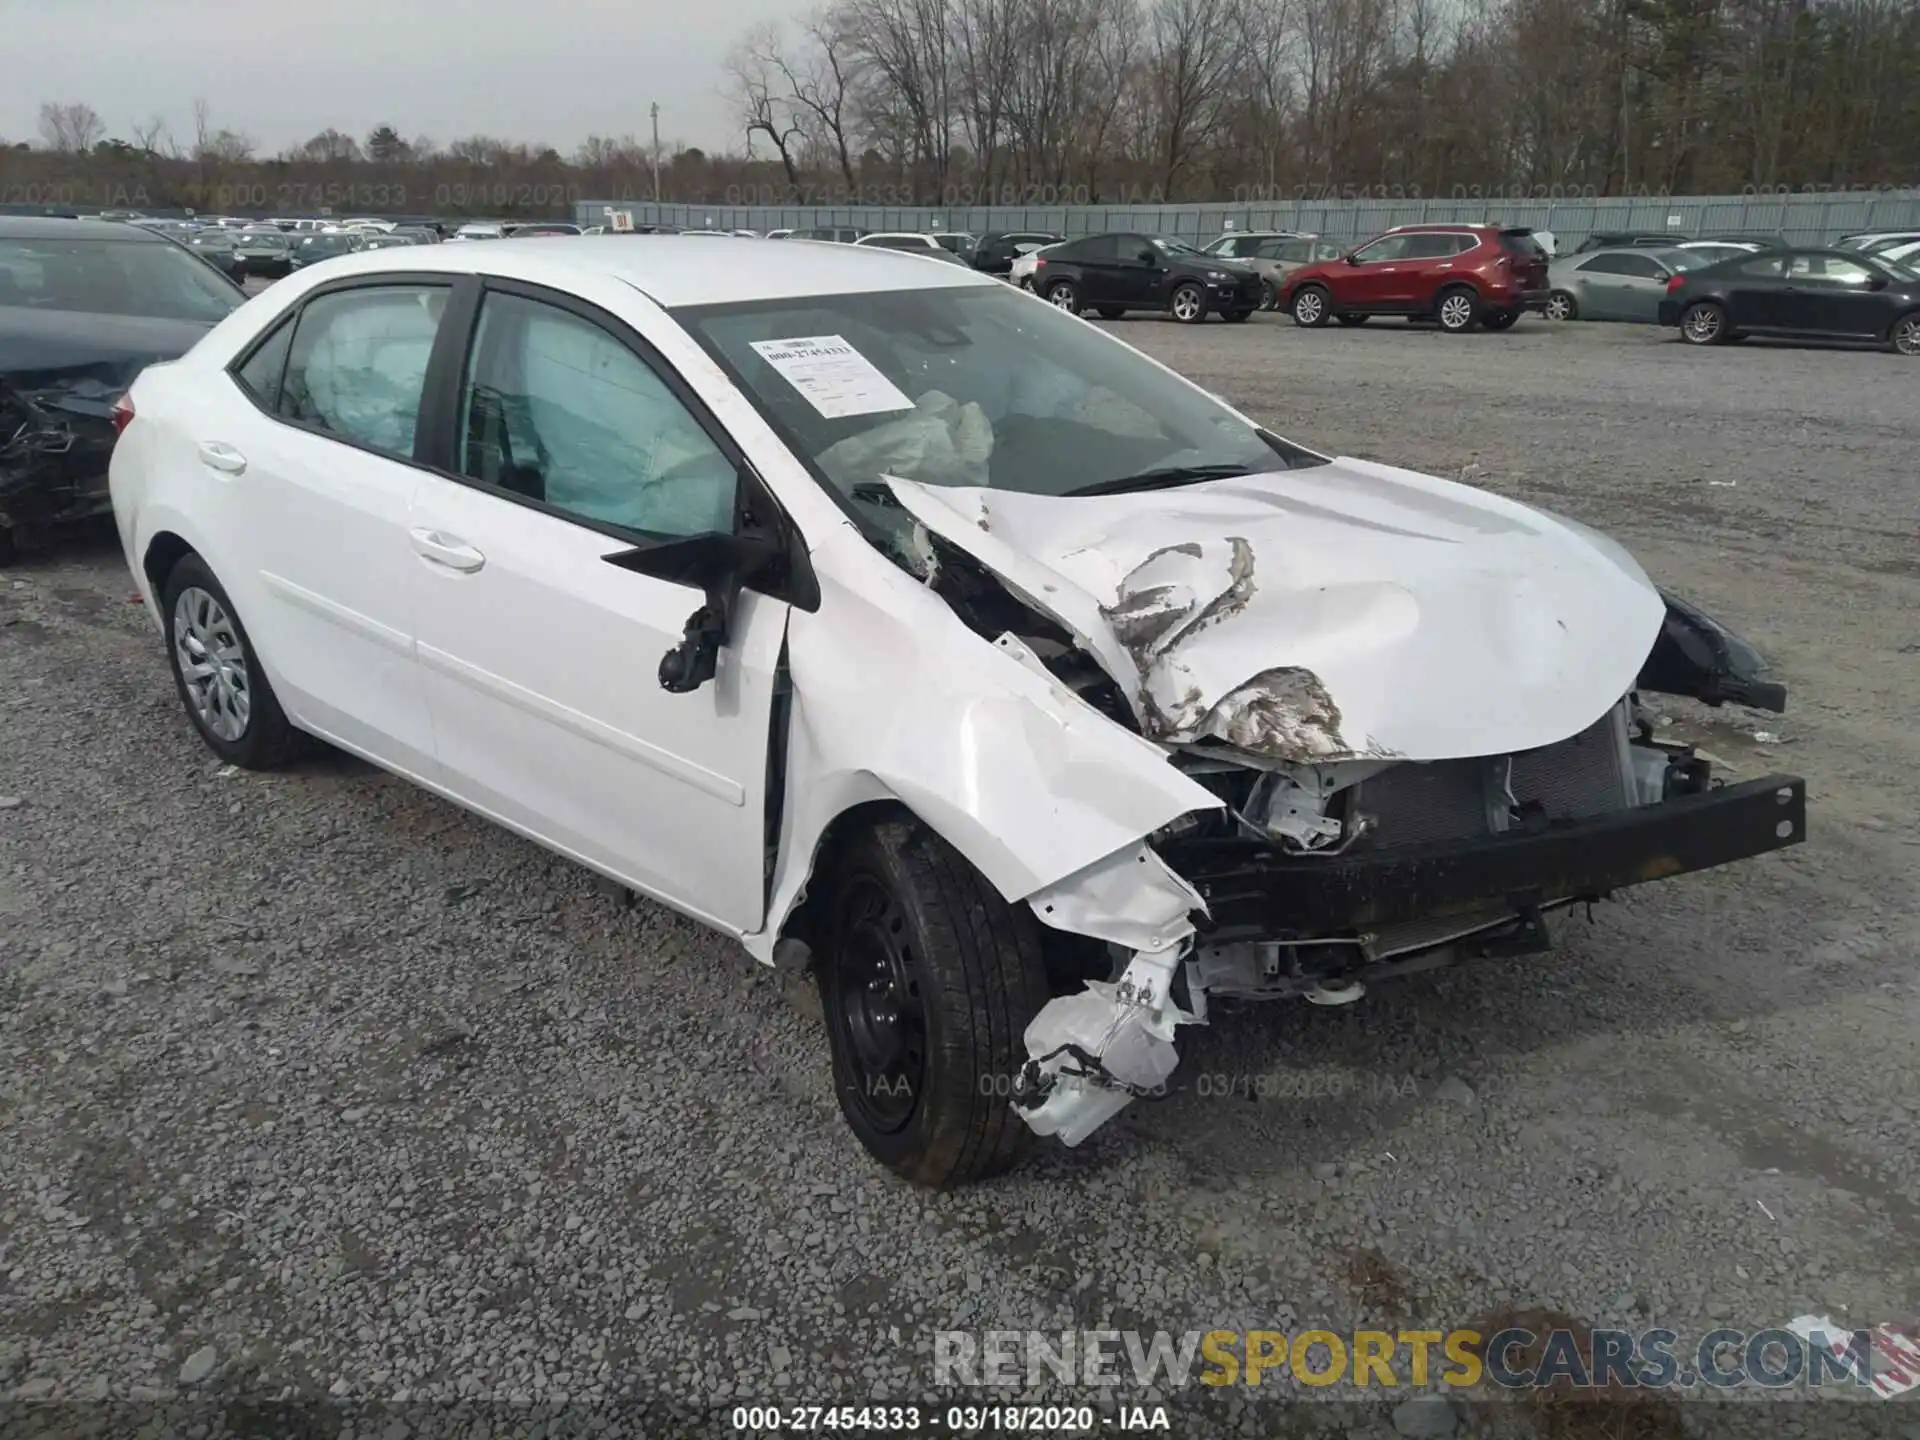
x=164, y=550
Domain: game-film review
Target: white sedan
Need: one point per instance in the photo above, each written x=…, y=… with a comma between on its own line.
x=896, y=625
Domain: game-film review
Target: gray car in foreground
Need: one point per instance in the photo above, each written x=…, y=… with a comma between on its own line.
x=1625, y=283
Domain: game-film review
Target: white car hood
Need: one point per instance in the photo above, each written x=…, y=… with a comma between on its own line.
x=1347, y=610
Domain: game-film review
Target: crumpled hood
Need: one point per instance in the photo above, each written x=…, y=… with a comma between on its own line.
x=1341, y=611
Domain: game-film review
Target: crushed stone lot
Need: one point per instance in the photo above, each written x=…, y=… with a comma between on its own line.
x=313, y=1085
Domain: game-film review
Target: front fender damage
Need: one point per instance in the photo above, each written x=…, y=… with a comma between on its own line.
x=1089, y=1054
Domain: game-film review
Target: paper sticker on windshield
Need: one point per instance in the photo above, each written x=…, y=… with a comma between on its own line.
x=836, y=378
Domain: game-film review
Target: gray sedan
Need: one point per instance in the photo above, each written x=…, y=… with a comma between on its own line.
x=1618, y=284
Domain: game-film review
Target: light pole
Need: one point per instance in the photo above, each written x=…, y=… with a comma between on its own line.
x=655, y=110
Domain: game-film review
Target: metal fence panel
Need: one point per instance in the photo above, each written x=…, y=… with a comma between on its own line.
x=1806, y=219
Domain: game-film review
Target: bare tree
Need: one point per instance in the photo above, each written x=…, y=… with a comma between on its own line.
x=70, y=129
x=761, y=105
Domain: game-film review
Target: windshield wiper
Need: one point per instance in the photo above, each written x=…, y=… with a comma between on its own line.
x=1164, y=478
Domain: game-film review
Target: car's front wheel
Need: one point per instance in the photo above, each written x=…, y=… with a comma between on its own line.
x=1310, y=306
x=1188, y=304
x=928, y=981
x=218, y=675
x=1062, y=295
x=1703, y=323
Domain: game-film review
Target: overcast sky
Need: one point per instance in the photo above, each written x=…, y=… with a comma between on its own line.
x=533, y=70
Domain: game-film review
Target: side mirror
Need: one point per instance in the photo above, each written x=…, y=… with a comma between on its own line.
x=1149, y=256
x=1878, y=282
x=1352, y=257
x=722, y=565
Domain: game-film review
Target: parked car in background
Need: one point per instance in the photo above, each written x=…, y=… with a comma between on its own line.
x=418, y=234
x=959, y=242
x=479, y=230
x=912, y=243
x=1907, y=254
x=780, y=234
x=528, y=228
x=998, y=249
x=84, y=305
x=1712, y=252
x=389, y=241
x=1241, y=244
x=1114, y=273
x=1461, y=276
x=1617, y=239
x=943, y=647
x=1274, y=258
x=1021, y=271
x=215, y=245
x=1624, y=284
x=1814, y=294
x=841, y=234
x=326, y=245
x=1874, y=240
x=266, y=253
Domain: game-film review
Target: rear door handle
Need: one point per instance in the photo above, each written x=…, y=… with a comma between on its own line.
x=218, y=455
x=444, y=549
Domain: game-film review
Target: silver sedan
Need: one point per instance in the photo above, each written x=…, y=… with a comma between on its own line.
x=1619, y=284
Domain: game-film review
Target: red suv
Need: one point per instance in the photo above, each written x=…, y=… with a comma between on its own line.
x=1461, y=276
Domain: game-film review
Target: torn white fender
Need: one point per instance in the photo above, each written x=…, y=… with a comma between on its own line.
x=1340, y=611
x=1092, y=1052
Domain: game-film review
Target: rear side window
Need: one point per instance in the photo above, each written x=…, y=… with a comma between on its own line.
x=358, y=363
x=1522, y=244
x=1094, y=247
x=1435, y=247
x=260, y=377
x=1641, y=265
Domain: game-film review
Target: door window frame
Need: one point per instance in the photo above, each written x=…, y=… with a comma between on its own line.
x=437, y=436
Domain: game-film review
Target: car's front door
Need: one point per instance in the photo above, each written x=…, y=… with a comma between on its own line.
x=1373, y=275
x=570, y=442
x=325, y=490
x=1831, y=295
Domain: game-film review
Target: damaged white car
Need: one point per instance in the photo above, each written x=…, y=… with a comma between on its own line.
x=895, y=622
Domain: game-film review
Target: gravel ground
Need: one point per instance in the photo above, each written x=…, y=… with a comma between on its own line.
x=313, y=1085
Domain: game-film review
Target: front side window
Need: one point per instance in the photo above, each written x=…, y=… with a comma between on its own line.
x=359, y=363
x=1387, y=247
x=152, y=278
x=1829, y=268
x=969, y=386
x=1763, y=267
x=557, y=409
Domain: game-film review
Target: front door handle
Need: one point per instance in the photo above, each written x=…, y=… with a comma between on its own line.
x=218, y=455
x=444, y=549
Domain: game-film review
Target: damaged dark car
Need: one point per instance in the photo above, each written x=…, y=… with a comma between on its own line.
x=84, y=307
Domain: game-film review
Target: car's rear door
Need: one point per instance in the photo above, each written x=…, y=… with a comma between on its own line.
x=1096, y=262
x=316, y=447
x=565, y=440
x=1755, y=292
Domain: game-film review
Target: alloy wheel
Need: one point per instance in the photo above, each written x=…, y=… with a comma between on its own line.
x=1308, y=307
x=1061, y=297
x=1906, y=335
x=1187, y=304
x=1702, y=324
x=1456, y=311
x=1559, y=307
x=213, y=663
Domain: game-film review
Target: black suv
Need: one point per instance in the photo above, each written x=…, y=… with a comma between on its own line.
x=998, y=249
x=1112, y=274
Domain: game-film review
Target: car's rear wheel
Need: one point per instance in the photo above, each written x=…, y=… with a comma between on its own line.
x=1904, y=337
x=1269, y=296
x=1458, y=310
x=1188, y=304
x=1703, y=323
x=1501, y=319
x=218, y=675
x=1062, y=295
x=1310, y=306
x=1112, y=312
x=1353, y=317
x=1562, y=306
x=928, y=981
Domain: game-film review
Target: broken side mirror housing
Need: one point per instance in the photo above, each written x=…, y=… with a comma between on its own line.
x=720, y=564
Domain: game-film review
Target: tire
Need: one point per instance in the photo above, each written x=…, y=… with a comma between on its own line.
x=1062, y=296
x=1501, y=320
x=260, y=739
x=1353, y=317
x=1457, y=309
x=1187, y=304
x=1562, y=306
x=1903, y=336
x=1112, y=312
x=1704, y=323
x=1310, y=306
x=920, y=948
x=1269, y=296
x=1237, y=316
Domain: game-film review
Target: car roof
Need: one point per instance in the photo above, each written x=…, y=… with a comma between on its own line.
x=677, y=270
x=46, y=227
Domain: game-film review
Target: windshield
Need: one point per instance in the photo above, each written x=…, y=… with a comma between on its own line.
x=1175, y=247
x=263, y=239
x=315, y=244
x=151, y=278
x=970, y=385
x=1905, y=268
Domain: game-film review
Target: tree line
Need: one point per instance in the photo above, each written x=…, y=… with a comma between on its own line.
x=956, y=102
